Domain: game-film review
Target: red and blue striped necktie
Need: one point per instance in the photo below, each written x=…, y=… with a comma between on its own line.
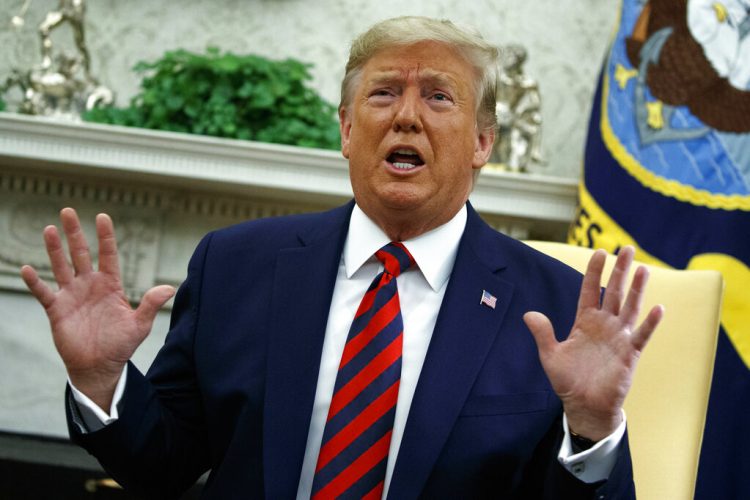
x=357, y=436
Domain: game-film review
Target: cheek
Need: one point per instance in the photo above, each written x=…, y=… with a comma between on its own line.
x=458, y=162
x=362, y=136
x=458, y=146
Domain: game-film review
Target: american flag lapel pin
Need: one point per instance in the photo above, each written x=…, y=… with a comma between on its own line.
x=488, y=299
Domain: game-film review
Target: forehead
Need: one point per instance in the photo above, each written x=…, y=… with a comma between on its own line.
x=423, y=61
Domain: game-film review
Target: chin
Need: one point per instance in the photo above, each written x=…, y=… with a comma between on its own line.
x=403, y=198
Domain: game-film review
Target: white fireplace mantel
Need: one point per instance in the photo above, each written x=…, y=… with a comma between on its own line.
x=273, y=171
x=165, y=190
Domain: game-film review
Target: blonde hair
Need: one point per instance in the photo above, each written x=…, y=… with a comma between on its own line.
x=409, y=30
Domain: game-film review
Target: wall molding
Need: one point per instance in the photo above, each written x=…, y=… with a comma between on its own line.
x=165, y=190
x=244, y=167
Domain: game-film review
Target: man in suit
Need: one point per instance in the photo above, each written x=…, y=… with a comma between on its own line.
x=249, y=382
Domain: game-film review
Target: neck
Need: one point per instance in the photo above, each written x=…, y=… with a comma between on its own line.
x=403, y=225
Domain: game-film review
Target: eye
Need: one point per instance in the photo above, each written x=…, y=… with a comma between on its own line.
x=381, y=93
x=381, y=96
x=440, y=97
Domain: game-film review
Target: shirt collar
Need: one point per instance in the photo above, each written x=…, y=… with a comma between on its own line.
x=434, y=251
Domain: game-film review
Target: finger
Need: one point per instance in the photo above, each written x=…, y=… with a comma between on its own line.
x=37, y=287
x=542, y=330
x=77, y=245
x=591, y=285
x=60, y=267
x=643, y=334
x=150, y=304
x=632, y=306
x=616, y=285
x=108, y=258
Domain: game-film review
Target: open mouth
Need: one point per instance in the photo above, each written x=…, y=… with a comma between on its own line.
x=405, y=159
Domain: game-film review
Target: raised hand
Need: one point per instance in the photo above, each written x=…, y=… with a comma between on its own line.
x=592, y=370
x=94, y=328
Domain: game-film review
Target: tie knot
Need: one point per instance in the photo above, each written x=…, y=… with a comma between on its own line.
x=395, y=258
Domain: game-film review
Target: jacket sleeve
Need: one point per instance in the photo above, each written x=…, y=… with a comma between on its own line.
x=546, y=479
x=158, y=447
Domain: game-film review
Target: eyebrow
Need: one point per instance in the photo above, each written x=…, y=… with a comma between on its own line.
x=436, y=78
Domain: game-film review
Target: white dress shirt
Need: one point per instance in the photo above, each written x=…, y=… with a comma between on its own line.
x=421, y=289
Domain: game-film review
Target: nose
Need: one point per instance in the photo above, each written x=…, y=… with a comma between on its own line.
x=408, y=116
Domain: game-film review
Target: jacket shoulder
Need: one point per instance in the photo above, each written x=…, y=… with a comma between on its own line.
x=283, y=231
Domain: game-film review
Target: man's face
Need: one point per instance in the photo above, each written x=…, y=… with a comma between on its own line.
x=411, y=137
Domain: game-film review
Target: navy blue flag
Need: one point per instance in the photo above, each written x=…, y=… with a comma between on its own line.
x=667, y=169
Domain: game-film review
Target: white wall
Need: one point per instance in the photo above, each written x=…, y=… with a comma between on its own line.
x=566, y=41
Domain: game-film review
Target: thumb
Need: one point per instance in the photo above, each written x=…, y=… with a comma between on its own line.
x=542, y=330
x=151, y=302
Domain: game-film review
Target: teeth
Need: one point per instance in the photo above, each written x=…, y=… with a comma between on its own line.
x=405, y=152
x=403, y=166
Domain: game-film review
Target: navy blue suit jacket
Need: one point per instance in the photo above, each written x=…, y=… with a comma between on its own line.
x=232, y=389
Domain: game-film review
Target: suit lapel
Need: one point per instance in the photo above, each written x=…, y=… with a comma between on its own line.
x=301, y=297
x=464, y=332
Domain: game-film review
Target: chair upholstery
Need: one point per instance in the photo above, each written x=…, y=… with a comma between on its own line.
x=666, y=406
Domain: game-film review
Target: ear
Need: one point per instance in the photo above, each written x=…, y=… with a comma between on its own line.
x=483, y=147
x=345, y=127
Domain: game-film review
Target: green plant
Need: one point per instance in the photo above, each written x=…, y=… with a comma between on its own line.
x=228, y=95
x=4, y=87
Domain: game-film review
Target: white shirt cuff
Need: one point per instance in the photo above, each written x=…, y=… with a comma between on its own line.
x=94, y=418
x=596, y=463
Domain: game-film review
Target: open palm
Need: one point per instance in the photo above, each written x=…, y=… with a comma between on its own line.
x=94, y=328
x=592, y=370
